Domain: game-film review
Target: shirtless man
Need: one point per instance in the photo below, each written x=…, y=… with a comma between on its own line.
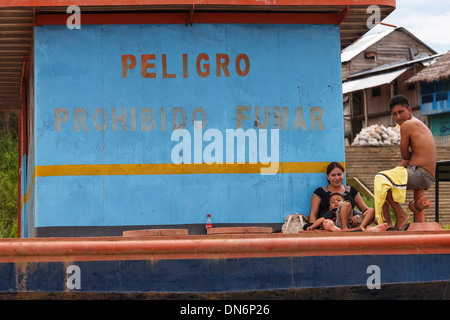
x=418, y=157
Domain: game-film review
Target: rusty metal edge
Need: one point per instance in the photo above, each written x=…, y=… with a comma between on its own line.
x=221, y=247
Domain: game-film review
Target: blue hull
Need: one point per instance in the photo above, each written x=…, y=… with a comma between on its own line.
x=295, y=274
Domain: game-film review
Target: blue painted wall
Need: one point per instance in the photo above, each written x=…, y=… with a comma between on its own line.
x=79, y=74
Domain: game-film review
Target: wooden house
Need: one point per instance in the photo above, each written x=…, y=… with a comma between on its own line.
x=374, y=69
x=434, y=83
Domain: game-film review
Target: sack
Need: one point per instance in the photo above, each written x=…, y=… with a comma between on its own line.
x=294, y=223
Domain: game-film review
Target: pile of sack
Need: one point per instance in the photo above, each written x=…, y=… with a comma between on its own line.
x=376, y=135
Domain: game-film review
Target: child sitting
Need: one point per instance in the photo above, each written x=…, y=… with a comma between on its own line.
x=336, y=200
x=331, y=220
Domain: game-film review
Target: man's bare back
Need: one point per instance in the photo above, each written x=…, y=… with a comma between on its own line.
x=417, y=143
x=417, y=136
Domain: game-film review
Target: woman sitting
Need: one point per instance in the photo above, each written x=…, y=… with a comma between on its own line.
x=320, y=202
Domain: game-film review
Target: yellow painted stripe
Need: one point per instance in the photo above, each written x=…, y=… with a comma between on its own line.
x=169, y=168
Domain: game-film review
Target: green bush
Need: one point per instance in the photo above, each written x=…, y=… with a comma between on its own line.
x=8, y=180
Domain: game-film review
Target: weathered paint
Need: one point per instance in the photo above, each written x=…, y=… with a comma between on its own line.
x=66, y=3
x=109, y=98
x=221, y=275
x=203, y=266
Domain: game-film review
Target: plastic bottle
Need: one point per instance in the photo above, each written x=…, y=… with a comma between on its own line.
x=209, y=222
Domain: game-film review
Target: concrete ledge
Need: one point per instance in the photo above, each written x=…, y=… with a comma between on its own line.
x=155, y=232
x=240, y=230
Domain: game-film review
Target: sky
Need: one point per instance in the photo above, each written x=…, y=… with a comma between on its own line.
x=428, y=20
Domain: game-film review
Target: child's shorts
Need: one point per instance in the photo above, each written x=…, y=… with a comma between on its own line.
x=360, y=217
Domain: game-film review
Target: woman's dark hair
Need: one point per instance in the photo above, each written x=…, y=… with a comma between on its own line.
x=334, y=165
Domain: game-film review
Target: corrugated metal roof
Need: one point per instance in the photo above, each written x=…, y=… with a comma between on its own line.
x=16, y=25
x=371, y=82
x=17, y=19
x=434, y=112
x=433, y=108
x=362, y=44
x=368, y=40
x=424, y=60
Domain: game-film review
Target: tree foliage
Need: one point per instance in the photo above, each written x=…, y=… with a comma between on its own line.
x=8, y=174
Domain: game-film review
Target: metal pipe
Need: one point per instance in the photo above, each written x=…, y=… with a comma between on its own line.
x=89, y=249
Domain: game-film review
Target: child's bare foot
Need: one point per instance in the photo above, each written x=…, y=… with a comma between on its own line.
x=378, y=228
x=330, y=226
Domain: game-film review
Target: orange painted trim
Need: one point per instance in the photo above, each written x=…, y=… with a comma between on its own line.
x=184, y=168
x=259, y=3
x=210, y=247
x=197, y=17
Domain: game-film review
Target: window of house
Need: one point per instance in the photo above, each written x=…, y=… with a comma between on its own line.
x=427, y=98
x=441, y=96
x=395, y=87
x=376, y=92
x=410, y=86
x=439, y=85
x=426, y=88
x=357, y=104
